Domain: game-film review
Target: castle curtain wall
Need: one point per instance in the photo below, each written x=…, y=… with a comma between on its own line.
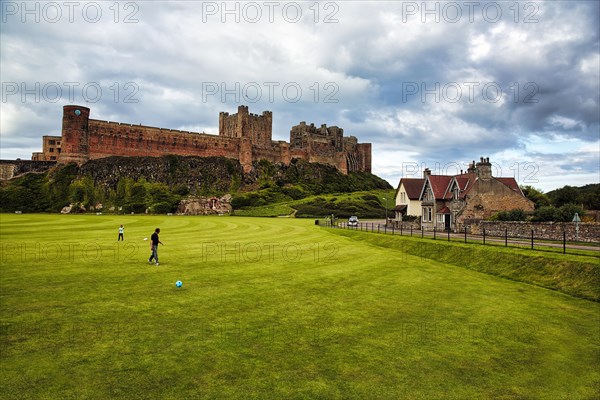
x=242, y=136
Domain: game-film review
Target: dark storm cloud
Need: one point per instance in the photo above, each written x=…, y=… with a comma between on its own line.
x=545, y=60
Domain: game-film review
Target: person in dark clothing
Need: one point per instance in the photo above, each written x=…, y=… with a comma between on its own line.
x=154, y=241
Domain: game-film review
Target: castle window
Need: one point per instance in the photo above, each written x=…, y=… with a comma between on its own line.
x=51, y=142
x=58, y=150
x=51, y=150
x=52, y=158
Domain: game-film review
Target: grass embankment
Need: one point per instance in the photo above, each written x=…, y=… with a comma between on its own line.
x=272, y=308
x=575, y=275
x=365, y=204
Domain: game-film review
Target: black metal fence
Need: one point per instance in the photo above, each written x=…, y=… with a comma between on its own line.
x=532, y=242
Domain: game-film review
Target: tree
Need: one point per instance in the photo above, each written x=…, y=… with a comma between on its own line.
x=565, y=195
x=567, y=212
x=539, y=198
x=83, y=191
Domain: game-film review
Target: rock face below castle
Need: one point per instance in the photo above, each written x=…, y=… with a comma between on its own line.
x=242, y=136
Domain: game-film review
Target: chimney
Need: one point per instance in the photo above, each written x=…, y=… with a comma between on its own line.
x=426, y=173
x=484, y=168
x=471, y=168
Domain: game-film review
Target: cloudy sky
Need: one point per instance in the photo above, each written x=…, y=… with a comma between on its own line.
x=433, y=84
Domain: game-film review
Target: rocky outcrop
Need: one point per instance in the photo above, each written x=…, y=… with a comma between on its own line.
x=73, y=208
x=205, y=206
x=217, y=175
x=201, y=175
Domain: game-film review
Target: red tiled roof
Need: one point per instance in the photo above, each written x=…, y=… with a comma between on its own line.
x=439, y=185
x=412, y=186
x=466, y=182
x=511, y=183
x=444, y=210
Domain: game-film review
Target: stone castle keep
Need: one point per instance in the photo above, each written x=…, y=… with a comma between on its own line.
x=242, y=136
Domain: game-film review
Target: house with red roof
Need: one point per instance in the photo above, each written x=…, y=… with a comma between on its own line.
x=408, y=201
x=447, y=202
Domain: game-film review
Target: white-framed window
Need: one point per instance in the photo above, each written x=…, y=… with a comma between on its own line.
x=424, y=214
x=428, y=194
x=440, y=218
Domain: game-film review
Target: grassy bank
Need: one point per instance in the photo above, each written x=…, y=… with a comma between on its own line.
x=366, y=204
x=575, y=275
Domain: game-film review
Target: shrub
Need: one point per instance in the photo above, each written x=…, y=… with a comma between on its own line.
x=564, y=213
x=163, y=208
x=512, y=215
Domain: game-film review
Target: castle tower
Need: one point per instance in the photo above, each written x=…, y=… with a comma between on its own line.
x=257, y=128
x=75, y=134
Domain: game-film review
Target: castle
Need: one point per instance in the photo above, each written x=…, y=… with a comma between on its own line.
x=243, y=136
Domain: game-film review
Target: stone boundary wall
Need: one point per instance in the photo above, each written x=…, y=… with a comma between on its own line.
x=406, y=225
x=588, y=231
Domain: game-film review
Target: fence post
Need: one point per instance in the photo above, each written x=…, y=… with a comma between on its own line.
x=532, y=239
x=377, y=228
x=564, y=242
x=411, y=230
x=385, y=229
x=465, y=233
x=434, y=232
x=392, y=230
x=484, y=236
x=505, y=237
x=422, y=231
x=448, y=234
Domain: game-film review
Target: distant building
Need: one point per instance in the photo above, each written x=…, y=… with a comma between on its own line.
x=446, y=202
x=51, y=149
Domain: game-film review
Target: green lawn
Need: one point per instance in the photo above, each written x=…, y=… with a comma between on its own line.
x=273, y=308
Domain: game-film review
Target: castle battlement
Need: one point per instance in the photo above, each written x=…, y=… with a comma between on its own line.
x=243, y=136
